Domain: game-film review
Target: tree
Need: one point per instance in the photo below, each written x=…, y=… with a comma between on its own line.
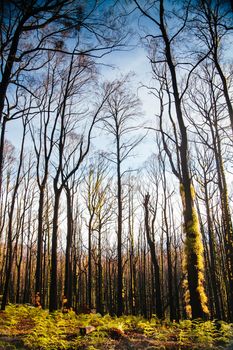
x=208, y=104
x=70, y=158
x=151, y=241
x=9, y=255
x=165, y=68
x=167, y=229
x=214, y=25
x=43, y=142
x=120, y=112
x=99, y=208
x=34, y=31
x=204, y=176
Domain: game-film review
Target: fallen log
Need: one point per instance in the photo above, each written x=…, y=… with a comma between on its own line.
x=8, y=341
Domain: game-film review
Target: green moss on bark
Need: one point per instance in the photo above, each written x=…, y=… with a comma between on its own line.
x=193, y=246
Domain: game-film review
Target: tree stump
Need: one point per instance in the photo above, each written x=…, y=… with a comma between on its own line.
x=86, y=330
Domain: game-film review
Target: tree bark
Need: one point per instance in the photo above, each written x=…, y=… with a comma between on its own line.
x=158, y=301
x=119, y=234
x=68, y=288
x=53, y=302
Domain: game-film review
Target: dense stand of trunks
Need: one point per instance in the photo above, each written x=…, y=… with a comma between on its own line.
x=152, y=252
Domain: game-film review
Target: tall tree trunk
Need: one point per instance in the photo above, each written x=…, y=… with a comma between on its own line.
x=226, y=215
x=68, y=288
x=53, y=276
x=2, y=141
x=213, y=256
x=19, y=263
x=99, y=296
x=169, y=267
x=193, y=244
x=159, y=310
x=9, y=254
x=89, y=287
x=38, y=276
x=120, y=307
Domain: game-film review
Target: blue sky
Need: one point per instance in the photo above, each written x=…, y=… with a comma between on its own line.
x=114, y=65
x=125, y=61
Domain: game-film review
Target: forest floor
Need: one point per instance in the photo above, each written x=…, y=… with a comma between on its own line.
x=25, y=327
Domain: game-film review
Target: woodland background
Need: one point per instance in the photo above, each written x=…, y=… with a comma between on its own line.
x=83, y=223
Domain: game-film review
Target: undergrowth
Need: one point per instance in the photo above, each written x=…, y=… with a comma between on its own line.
x=40, y=330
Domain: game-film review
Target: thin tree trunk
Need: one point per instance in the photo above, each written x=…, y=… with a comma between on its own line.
x=38, y=286
x=158, y=298
x=53, y=304
x=68, y=288
x=119, y=235
x=9, y=254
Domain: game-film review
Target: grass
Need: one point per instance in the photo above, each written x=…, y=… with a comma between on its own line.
x=37, y=329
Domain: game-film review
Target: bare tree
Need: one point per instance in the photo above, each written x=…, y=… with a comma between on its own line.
x=10, y=235
x=68, y=164
x=122, y=108
x=42, y=129
x=150, y=234
x=207, y=102
x=214, y=25
x=33, y=31
x=165, y=66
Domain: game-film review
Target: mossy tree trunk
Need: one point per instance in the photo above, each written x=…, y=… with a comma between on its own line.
x=193, y=244
x=194, y=263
